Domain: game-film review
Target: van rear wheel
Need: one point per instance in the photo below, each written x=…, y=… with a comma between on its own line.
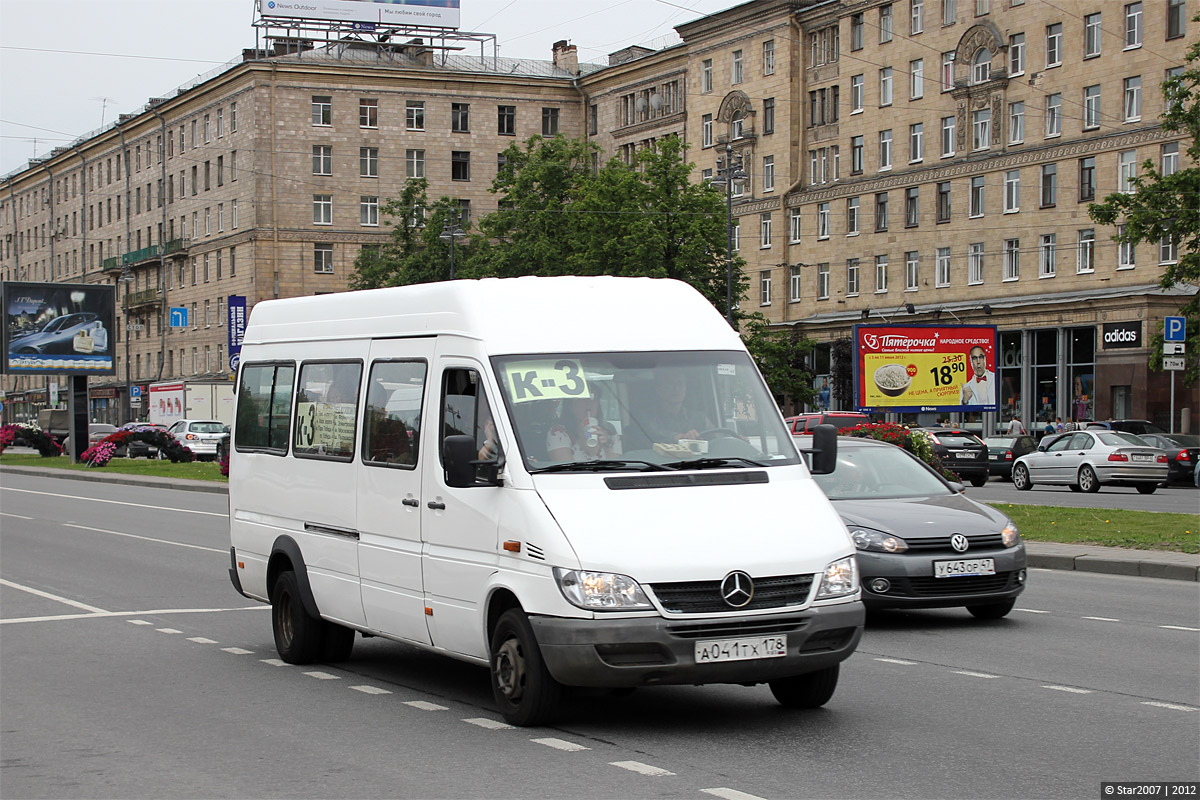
x=298, y=636
x=812, y=690
x=525, y=691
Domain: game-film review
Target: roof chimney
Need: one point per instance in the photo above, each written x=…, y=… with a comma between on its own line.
x=566, y=56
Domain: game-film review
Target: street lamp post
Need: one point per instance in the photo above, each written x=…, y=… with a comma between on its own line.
x=127, y=278
x=727, y=172
x=451, y=233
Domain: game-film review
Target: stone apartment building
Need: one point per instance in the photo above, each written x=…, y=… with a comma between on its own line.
x=932, y=155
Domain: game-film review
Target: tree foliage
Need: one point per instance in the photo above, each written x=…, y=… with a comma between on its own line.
x=1163, y=206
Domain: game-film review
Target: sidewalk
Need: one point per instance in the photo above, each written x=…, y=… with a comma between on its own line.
x=1046, y=555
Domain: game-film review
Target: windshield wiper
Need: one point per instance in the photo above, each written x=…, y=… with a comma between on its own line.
x=707, y=463
x=602, y=465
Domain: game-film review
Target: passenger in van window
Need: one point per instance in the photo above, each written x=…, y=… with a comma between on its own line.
x=490, y=449
x=672, y=419
x=580, y=435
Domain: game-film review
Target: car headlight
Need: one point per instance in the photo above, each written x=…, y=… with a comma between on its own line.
x=1010, y=536
x=877, y=541
x=601, y=591
x=840, y=578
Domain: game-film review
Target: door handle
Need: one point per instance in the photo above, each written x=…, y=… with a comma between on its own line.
x=435, y=505
x=410, y=501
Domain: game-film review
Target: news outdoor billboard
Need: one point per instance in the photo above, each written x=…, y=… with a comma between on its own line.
x=925, y=368
x=388, y=13
x=62, y=328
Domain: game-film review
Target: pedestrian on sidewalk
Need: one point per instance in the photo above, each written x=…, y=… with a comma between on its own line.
x=1016, y=427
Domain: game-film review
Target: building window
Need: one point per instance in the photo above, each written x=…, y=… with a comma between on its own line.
x=917, y=17
x=947, y=71
x=1091, y=107
x=881, y=212
x=885, y=150
x=1085, y=251
x=1168, y=250
x=852, y=210
x=794, y=225
x=981, y=66
x=975, y=263
x=322, y=114
x=1047, y=265
x=414, y=163
x=1133, y=25
x=1016, y=123
x=1170, y=158
x=881, y=274
x=852, y=277
x=1012, y=259
x=794, y=280
x=735, y=67
x=764, y=287
x=1053, y=115
x=706, y=130
x=232, y=119
x=1126, y=258
x=322, y=159
x=822, y=46
x=460, y=165
x=943, y=201
x=1176, y=18
x=1133, y=99
x=949, y=12
x=764, y=230
x=706, y=76
x=1016, y=54
x=941, y=270
x=768, y=173
x=916, y=142
x=768, y=122
x=368, y=211
x=856, y=31
x=976, y=198
x=506, y=120
x=768, y=57
x=912, y=207
x=856, y=155
x=885, y=23
x=1126, y=170
x=823, y=220
x=414, y=115
x=912, y=271
x=857, y=97
x=885, y=86
x=549, y=121
x=948, y=124
x=233, y=215
x=1087, y=179
x=981, y=129
x=1012, y=191
x=1049, y=185
x=823, y=281
x=368, y=114
x=1054, y=44
x=323, y=257
x=916, y=73
x=368, y=162
x=1091, y=35
x=322, y=209
x=737, y=236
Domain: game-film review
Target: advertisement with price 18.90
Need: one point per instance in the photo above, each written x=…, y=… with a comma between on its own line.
x=925, y=368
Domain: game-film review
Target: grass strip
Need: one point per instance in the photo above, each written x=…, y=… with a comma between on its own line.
x=1139, y=530
x=196, y=470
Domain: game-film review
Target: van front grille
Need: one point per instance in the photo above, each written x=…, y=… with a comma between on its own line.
x=704, y=597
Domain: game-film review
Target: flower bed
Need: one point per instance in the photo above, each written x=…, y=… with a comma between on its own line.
x=916, y=442
x=168, y=446
x=32, y=436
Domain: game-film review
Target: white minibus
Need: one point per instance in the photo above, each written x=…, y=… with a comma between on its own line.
x=576, y=482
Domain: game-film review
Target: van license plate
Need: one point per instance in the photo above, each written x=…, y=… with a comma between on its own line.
x=969, y=566
x=740, y=649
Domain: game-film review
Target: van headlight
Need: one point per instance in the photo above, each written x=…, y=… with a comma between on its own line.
x=840, y=578
x=1009, y=536
x=600, y=591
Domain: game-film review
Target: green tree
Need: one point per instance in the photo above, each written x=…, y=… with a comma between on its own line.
x=1168, y=206
x=782, y=357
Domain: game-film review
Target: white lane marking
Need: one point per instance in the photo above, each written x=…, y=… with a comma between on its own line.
x=1172, y=706
x=1102, y=619
x=14, y=516
x=370, y=690
x=1031, y=611
x=490, y=724
x=322, y=676
x=1070, y=689
x=560, y=744
x=974, y=674
x=48, y=596
x=119, y=502
x=424, y=706
x=274, y=662
x=1179, y=628
x=730, y=794
x=139, y=622
x=146, y=538
x=639, y=767
x=201, y=640
x=168, y=630
x=237, y=651
x=109, y=614
x=896, y=661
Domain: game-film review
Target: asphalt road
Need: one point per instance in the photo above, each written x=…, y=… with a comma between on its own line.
x=1175, y=499
x=132, y=669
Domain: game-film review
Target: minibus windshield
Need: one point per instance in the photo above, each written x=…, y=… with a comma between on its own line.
x=577, y=412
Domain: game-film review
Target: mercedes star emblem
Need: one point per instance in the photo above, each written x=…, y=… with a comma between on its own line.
x=737, y=589
x=959, y=542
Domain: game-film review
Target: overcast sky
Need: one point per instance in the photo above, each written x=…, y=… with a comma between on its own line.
x=67, y=66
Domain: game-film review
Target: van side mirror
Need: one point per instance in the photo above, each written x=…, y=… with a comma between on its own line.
x=460, y=458
x=824, y=450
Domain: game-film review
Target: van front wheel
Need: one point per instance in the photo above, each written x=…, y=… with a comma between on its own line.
x=298, y=636
x=525, y=691
x=806, y=691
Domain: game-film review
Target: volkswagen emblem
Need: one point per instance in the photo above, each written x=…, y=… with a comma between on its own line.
x=737, y=589
x=960, y=543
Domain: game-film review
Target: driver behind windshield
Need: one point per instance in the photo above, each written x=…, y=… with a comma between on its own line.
x=578, y=434
x=670, y=418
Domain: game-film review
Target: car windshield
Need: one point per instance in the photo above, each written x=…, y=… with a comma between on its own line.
x=207, y=427
x=642, y=411
x=878, y=472
x=1118, y=439
x=960, y=439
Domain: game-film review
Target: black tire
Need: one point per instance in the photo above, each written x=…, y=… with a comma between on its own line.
x=1020, y=478
x=1147, y=488
x=979, y=480
x=811, y=690
x=993, y=610
x=1074, y=487
x=298, y=636
x=337, y=643
x=525, y=691
x=1088, y=481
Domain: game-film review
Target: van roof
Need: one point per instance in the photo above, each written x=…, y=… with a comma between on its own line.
x=512, y=315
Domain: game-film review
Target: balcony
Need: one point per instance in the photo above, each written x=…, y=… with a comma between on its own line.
x=146, y=297
x=176, y=248
x=145, y=254
x=111, y=263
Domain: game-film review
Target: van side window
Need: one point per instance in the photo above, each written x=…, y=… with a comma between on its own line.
x=264, y=407
x=392, y=419
x=326, y=410
x=465, y=410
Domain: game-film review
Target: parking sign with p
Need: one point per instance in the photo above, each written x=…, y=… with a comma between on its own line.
x=1175, y=329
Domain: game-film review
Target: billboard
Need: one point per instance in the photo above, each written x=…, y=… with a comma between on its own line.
x=63, y=328
x=925, y=368
x=388, y=13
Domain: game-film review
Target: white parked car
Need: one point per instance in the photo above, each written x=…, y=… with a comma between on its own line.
x=200, y=435
x=1086, y=460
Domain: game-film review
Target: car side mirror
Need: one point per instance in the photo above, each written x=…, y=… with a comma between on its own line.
x=824, y=450
x=958, y=488
x=459, y=460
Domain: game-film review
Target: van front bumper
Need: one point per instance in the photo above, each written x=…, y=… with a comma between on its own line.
x=648, y=651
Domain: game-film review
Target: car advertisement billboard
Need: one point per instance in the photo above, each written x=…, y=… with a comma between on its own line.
x=925, y=368
x=387, y=13
x=62, y=328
